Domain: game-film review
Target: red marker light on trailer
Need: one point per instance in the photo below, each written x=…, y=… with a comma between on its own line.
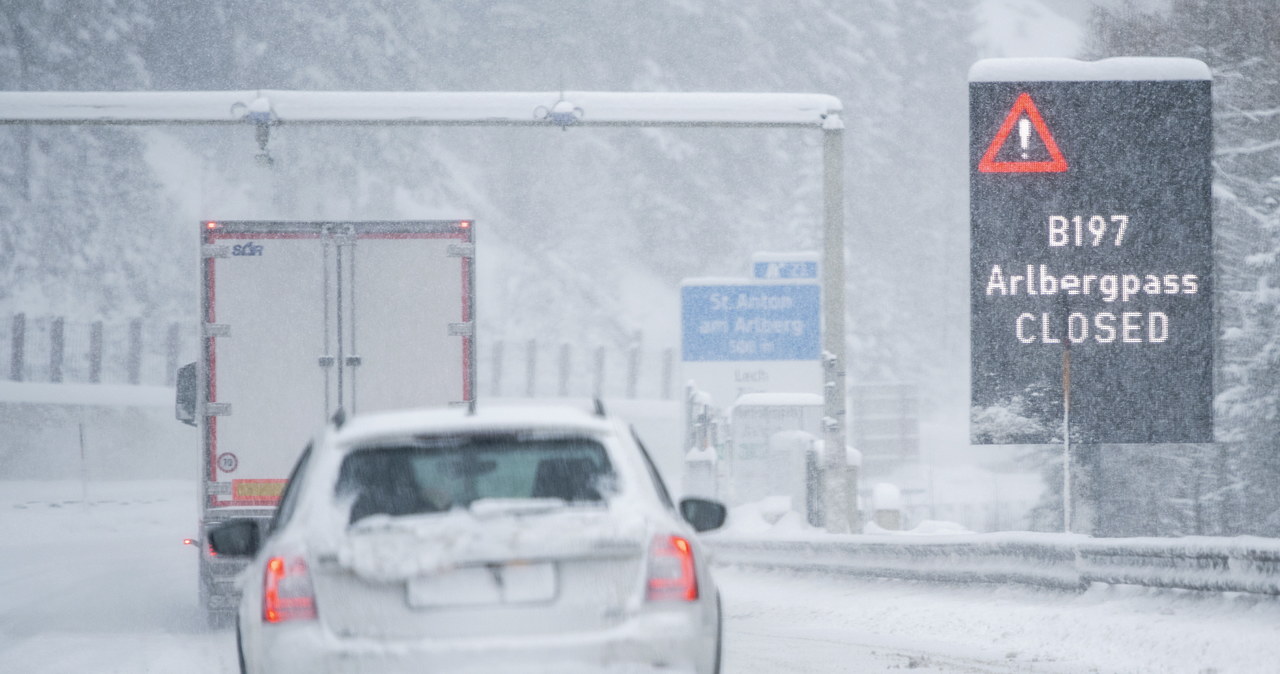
x=188, y=541
x=464, y=224
x=211, y=225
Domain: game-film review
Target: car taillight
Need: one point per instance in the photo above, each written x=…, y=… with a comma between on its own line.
x=287, y=593
x=671, y=570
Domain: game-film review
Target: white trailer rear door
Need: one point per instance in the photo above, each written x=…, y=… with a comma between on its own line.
x=305, y=318
x=406, y=291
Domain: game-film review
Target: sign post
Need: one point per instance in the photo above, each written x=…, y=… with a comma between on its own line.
x=1091, y=251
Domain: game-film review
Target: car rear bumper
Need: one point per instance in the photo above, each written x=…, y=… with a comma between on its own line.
x=657, y=641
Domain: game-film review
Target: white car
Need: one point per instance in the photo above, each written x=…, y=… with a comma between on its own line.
x=500, y=540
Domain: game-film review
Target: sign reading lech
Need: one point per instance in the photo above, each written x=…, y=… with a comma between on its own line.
x=1091, y=250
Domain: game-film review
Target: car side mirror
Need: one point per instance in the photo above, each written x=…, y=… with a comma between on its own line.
x=184, y=408
x=703, y=514
x=236, y=538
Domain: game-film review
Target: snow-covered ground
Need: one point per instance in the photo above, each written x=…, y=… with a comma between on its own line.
x=782, y=622
x=107, y=586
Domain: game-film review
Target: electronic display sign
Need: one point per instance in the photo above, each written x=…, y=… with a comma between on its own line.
x=1091, y=257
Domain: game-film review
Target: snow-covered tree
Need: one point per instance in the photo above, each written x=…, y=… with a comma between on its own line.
x=82, y=226
x=1231, y=487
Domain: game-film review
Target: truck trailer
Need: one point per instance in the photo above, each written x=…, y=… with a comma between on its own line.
x=302, y=321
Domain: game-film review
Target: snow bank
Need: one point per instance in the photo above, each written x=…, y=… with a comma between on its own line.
x=772, y=515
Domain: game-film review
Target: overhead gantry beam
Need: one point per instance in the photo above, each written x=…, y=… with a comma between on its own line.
x=264, y=109
x=570, y=108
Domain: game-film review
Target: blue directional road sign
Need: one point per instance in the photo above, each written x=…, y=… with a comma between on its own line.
x=751, y=322
x=785, y=269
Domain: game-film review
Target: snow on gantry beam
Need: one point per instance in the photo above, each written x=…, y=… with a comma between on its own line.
x=1129, y=68
x=116, y=107
x=419, y=108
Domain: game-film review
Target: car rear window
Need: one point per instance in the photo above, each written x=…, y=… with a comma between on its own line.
x=434, y=474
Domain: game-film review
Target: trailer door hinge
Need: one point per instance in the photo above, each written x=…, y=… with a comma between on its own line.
x=353, y=361
x=217, y=409
x=343, y=235
x=217, y=330
x=209, y=250
x=327, y=361
x=461, y=329
x=467, y=250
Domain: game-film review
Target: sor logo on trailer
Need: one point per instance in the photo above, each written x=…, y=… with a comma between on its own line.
x=247, y=249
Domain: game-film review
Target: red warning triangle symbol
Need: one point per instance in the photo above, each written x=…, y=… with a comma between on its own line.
x=1023, y=106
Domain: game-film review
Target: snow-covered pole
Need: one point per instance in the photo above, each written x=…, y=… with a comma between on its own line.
x=836, y=500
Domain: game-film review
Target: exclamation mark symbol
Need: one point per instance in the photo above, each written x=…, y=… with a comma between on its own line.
x=1024, y=134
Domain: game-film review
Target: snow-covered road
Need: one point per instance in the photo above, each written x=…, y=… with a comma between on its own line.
x=784, y=622
x=108, y=587
x=103, y=587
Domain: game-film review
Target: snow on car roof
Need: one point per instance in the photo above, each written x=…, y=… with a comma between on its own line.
x=1073, y=70
x=457, y=420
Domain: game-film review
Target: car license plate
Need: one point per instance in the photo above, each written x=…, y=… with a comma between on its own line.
x=514, y=583
x=528, y=582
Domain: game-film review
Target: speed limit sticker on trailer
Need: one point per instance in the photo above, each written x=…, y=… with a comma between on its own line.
x=227, y=462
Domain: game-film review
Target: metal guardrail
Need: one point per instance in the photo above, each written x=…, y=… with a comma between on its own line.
x=52, y=349
x=1243, y=564
x=1063, y=561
